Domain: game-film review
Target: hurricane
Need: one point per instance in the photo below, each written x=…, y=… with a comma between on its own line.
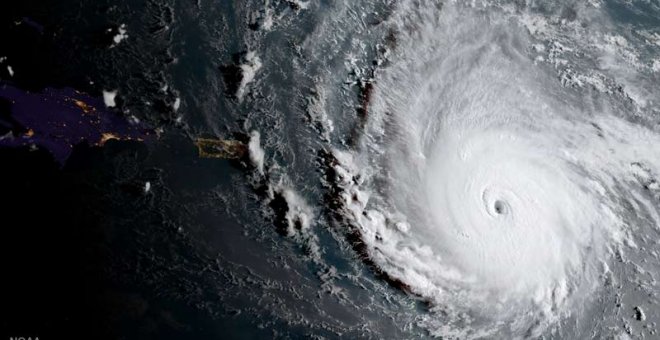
x=506, y=159
x=331, y=169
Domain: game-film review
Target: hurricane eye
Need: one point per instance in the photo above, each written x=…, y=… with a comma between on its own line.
x=500, y=207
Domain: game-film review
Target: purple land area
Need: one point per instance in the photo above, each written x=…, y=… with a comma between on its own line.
x=58, y=119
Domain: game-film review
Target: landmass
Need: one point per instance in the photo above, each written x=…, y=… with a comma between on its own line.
x=59, y=119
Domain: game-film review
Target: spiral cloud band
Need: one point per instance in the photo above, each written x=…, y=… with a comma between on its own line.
x=486, y=181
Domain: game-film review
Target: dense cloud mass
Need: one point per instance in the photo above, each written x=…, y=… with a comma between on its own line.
x=505, y=168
